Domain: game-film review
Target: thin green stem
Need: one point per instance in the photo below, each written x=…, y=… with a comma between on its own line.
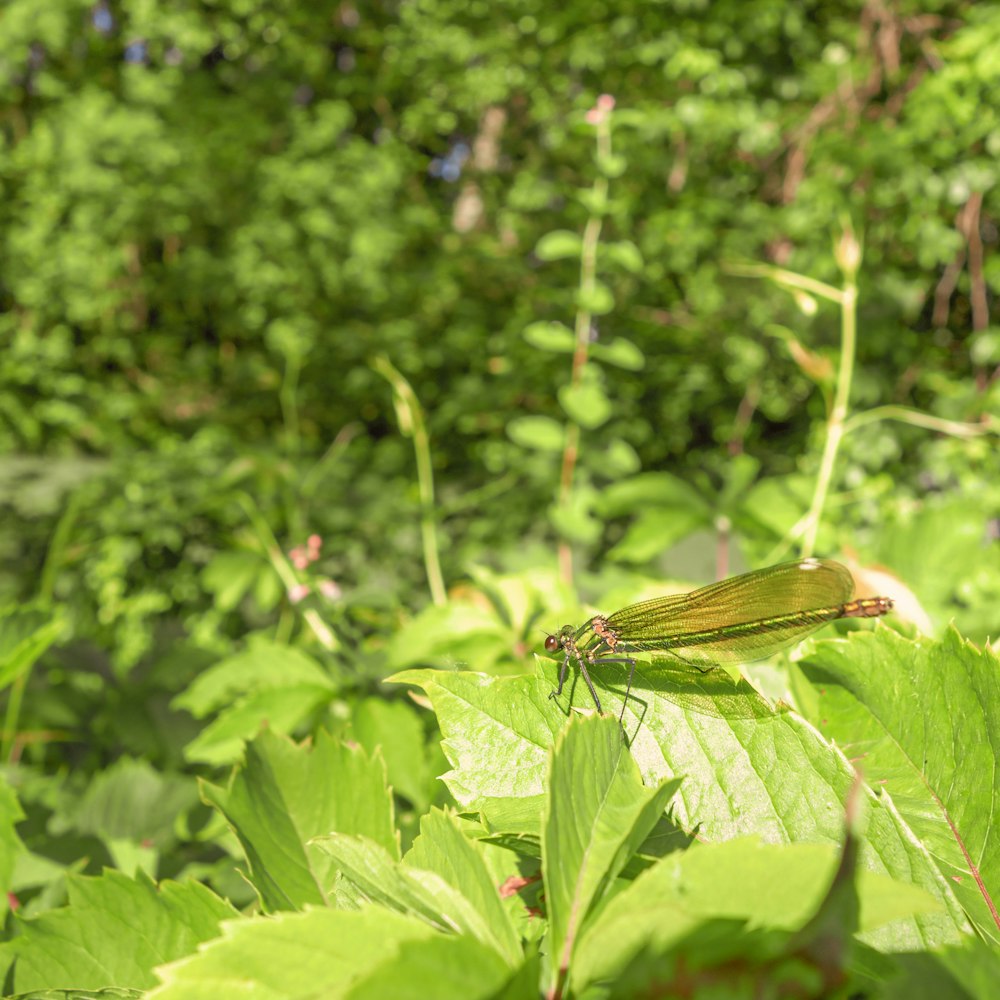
x=918, y=419
x=588, y=278
x=838, y=413
x=284, y=569
x=411, y=423
x=790, y=279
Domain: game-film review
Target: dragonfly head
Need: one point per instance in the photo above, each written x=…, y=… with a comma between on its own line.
x=553, y=643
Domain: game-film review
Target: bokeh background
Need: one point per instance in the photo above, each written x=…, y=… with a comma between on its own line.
x=269, y=268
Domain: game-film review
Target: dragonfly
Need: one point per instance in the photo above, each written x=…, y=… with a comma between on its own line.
x=744, y=618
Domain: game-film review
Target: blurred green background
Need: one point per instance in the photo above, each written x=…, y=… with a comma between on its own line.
x=229, y=230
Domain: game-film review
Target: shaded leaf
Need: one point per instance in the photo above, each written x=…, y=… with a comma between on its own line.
x=80, y=945
x=923, y=719
x=286, y=795
x=597, y=813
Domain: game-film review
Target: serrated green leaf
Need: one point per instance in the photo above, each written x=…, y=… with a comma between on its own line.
x=550, y=336
x=328, y=953
x=558, y=245
x=541, y=433
x=393, y=728
x=440, y=632
x=775, y=886
x=442, y=848
x=263, y=666
x=497, y=731
x=285, y=796
x=620, y=352
x=280, y=710
x=585, y=404
x=747, y=768
x=924, y=718
x=376, y=878
x=132, y=801
x=114, y=932
x=597, y=813
x=443, y=967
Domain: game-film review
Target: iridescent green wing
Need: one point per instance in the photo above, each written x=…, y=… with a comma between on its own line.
x=740, y=619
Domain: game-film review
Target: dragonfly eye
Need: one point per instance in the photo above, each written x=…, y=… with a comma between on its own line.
x=551, y=643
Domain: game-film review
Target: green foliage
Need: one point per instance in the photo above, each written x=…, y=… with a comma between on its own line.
x=656, y=293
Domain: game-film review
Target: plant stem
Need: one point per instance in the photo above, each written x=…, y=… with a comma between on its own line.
x=588, y=276
x=917, y=419
x=285, y=572
x=412, y=424
x=838, y=413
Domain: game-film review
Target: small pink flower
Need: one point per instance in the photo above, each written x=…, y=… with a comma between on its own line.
x=300, y=560
x=601, y=109
x=314, y=542
x=298, y=592
x=330, y=590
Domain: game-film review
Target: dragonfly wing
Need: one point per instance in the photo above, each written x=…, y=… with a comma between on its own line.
x=746, y=649
x=744, y=618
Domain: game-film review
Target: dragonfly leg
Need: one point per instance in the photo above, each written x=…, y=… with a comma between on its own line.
x=621, y=659
x=590, y=686
x=628, y=688
x=562, y=678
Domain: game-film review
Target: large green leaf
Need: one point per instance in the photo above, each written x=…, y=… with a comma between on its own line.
x=114, y=931
x=332, y=954
x=393, y=729
x=266, y=684
x=923, y=721
x=442, y=848
x=132, y=801
x=286, y=795
x=747, y=769
x=497, y=732
x=373, y=877
x=769, y=886
x=596, y=815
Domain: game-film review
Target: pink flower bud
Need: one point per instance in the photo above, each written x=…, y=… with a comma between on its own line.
x=298, y=592
x=329, y=590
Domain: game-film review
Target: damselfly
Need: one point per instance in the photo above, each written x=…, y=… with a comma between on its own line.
x=737, y=620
